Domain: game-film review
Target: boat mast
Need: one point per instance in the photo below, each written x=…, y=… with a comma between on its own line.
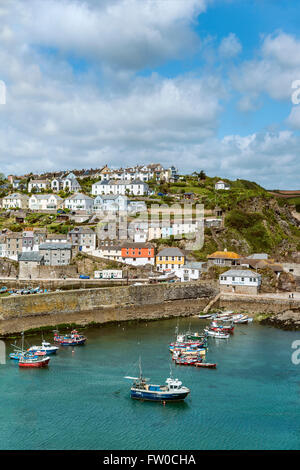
x=140, y=366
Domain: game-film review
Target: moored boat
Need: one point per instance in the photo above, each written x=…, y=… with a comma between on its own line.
x=73, y=339
x=172, y=391
x=33, y=361
x=217, y=334
x=46, y=347
x=208, y=365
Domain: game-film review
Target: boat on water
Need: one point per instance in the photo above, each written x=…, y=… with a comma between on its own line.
x=171, y=391
x=207, y=365
x=223, y=328
x=217, y=334
x=46, y=347
x=244, y=319
x=29, y=358
x=73, y=339
x=187, y=361
x=205, y=316
x=15, y=356
x=34, y=361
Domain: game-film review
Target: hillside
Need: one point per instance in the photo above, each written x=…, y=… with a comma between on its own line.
x=254, y=220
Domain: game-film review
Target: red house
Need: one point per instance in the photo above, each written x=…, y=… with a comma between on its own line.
x=137, y=254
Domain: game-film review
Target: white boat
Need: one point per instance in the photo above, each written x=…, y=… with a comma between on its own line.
x=217, y=334
x=243, y=319
x=203, y=317
x=45, y=347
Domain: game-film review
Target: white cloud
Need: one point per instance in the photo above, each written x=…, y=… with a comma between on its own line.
x=230, y=46
x=127, y=34
x=56, y=117
x=273, y=72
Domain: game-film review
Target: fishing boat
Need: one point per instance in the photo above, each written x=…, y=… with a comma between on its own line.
x=217, y=334
x=33, y=361
x=195, y=336
x=15, y=356
x=47, y=348
x=244, y=319
x=187, y=361
x=73, y=339
x=205, y=316
x=208, y=365
x=30, y=359
x=172, y=391
x=225, y=329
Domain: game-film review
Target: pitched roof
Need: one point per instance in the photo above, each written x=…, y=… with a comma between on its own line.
x=30, y=256
x=240, y=273
x=224, y=254
x=55, y=246
x=170, y=252
x=80, y=196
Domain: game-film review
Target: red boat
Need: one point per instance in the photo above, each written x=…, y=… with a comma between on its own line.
x=205, y=364
x=34, y=361
x=225, y=329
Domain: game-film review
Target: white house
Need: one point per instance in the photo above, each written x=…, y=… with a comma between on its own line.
x=135, y=188
x=38, y=185
x=190, y=271
x=108, y=274
x=3, y=251
x=111, y=203
x=45, y=202
x=240, y=281
x=67, y=183
x=222, y=185
x=79, y=202
x=15, y=200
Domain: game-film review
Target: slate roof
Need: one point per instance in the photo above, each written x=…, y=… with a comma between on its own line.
x=31, y=256
x=170, y=252
x=241, y=273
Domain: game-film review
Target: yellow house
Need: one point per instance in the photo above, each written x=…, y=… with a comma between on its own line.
x=170, y=259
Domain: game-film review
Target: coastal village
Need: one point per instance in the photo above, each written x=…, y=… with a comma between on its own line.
x=57, y=226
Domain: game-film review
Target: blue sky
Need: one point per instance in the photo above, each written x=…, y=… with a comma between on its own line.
x=202, y=84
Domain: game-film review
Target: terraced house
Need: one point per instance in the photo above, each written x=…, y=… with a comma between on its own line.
x=45, y=202
x=137, y=254
x=83, y=237
x=38, y=185
x=56, y=254
x=15, y=201
x=79, y=202
x=170, y=259
x=115, y=187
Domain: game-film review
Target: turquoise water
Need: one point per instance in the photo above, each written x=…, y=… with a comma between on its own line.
x=82, y=401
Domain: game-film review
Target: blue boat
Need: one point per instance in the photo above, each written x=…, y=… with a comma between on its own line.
x=74, y=339
x=173, y=390
x=45, y=347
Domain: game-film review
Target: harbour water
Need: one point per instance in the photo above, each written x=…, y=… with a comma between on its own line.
x=251, y=401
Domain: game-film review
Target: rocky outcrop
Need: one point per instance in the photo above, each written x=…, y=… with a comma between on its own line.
x=288, y=320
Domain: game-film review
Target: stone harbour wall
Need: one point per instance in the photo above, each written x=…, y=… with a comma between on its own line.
x=109, y=304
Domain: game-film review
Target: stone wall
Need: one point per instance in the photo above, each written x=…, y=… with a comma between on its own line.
x=110, y=304
x=260, y=304
x=252, y=290
x=31, y=271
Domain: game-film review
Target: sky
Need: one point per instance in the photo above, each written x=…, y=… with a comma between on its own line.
x=199, y=84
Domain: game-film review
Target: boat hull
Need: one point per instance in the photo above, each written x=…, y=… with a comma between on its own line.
x=152, y=396
x=37, y=364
